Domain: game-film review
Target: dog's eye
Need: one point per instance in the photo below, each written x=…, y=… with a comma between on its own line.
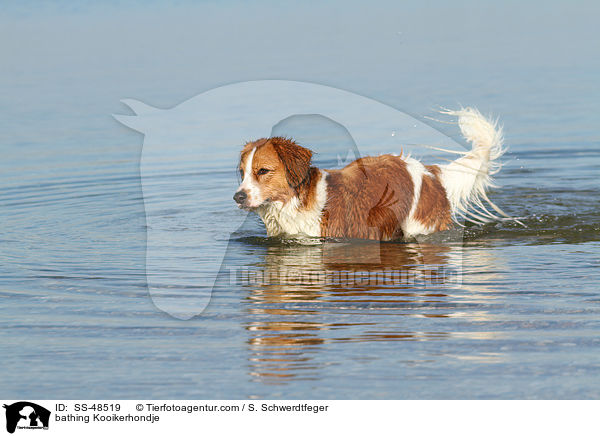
x=262, y=171
x=242, y=174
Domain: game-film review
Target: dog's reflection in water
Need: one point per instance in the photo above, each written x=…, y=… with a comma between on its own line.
x=305, y=296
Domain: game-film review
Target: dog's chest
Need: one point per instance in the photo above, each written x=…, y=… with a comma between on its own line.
x=290, y=220
x=293, y=219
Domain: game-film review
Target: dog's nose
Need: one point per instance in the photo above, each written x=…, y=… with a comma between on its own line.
x=240, y=197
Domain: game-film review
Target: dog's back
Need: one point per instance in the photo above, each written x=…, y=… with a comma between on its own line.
x=374, y=198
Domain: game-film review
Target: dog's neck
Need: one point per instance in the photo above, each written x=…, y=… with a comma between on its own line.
x=301, y=215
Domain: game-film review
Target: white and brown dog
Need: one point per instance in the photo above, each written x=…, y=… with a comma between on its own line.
x=384, y=198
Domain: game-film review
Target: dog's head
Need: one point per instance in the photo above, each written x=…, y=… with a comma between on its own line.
x=272, y=170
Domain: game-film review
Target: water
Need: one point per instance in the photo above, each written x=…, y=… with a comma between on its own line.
x=76, y=317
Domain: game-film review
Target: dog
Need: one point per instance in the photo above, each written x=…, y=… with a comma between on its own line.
x=389, y=197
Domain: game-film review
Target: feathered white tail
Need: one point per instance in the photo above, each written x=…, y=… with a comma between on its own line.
x=467, y=178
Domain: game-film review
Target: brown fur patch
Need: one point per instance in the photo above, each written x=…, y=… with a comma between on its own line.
x=433, y=209
x=295, y=159
x=308, y=195
x=434, y=169
x=368, y=199
x=274, y=185
x=248, y=148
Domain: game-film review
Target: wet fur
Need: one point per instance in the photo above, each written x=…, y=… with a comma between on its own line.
x=384, y=198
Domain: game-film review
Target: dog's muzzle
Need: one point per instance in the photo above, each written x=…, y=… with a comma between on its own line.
x=240, y=197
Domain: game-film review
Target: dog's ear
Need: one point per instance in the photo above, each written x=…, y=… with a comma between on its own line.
x=296, y=160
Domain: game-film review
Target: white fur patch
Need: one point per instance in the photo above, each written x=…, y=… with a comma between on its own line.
x=417, y=171
x=466, y=179
x=249, y=183
x=289, y=219
x=459, y=179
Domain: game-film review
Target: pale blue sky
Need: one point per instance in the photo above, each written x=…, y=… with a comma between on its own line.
x=78, y=59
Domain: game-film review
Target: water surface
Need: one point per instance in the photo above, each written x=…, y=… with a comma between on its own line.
x=76, y=317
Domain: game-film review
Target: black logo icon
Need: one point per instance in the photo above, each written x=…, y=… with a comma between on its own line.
x=26, y=415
